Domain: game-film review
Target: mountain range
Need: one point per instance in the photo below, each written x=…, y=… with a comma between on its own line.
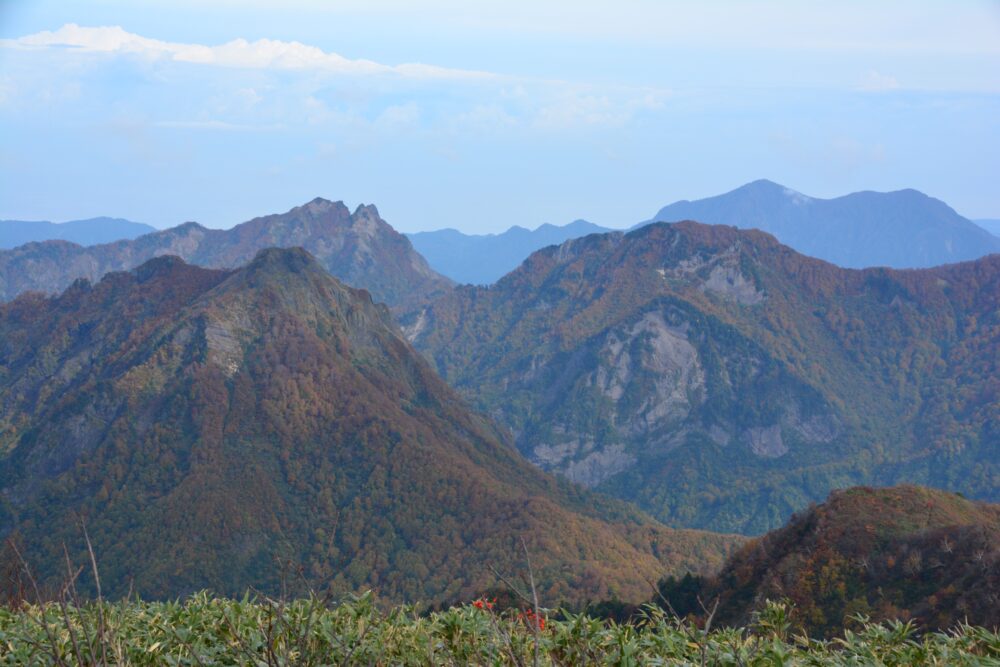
x=482, y=259
x=207, y=422
x=719, y=379
x=904, y=229
x=359, y=248
x=206, y=426
x=83, y=232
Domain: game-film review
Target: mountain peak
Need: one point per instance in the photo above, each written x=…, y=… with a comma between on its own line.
x=158, y=266
x=762, y=184
x=292, y=259
x=366, y=211
x=284, y=267
x=319, y=206
x=189, y=226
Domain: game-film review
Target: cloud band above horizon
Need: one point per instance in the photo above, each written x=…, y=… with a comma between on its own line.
x=239, y=53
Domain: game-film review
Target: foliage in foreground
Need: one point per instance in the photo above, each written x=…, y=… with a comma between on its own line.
x=203, y=630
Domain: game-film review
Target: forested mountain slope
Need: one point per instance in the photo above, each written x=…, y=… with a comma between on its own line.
x=208, y=426
x=721, y=380
x=908, y=553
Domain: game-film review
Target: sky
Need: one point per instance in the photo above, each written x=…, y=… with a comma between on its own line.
x=482, y=115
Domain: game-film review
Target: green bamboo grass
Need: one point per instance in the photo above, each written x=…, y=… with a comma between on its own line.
x=205, y=630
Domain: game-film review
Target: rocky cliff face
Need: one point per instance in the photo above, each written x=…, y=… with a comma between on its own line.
x=719, y=379
x=360, y=248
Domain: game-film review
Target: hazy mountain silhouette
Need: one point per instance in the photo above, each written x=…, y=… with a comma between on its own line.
x=992, y=225
x=83, y=232
x=902, y=229
x=481, y=259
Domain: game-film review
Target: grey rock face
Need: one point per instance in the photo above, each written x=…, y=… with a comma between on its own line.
x=766, y=442
x=817, y=429
x=661, y=353
x=719, y=274
x=649, y=377
x=598, y=466
x=727, y=281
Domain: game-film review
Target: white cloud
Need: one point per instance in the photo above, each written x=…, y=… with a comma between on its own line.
x=260, y=54
x=400, y=116
x=582, y=107
x=833, y=154
x=485, y=117
x=877, y=82
x=214, y=125
x=270, y=85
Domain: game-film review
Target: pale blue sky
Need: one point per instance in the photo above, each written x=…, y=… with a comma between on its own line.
x=487, y=114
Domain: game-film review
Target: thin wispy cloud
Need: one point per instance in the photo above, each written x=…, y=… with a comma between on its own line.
x=215, y=125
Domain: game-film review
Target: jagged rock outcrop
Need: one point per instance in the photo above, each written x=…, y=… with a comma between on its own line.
x=359, y=248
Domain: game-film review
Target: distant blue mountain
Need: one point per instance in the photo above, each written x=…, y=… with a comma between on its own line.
x=992, y=225
x=83, y=232
x=902, y=229
x=482, y=259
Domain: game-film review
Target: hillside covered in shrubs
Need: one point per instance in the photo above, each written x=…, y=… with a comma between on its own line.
x=905, y=553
